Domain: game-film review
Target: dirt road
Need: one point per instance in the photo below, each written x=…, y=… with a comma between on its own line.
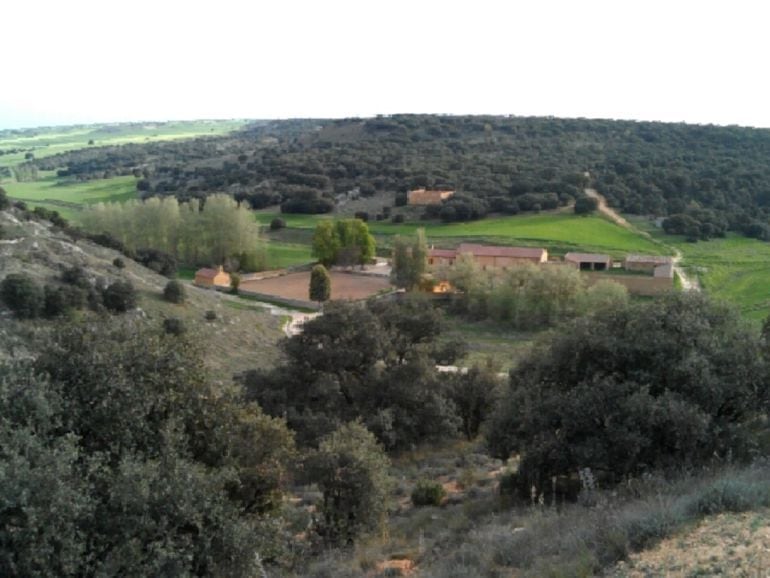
x=688, y=283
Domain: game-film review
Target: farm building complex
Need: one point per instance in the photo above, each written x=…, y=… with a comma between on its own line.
x=489, y=255
x=640, y=274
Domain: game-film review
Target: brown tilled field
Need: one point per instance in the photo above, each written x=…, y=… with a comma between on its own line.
x=296, y=285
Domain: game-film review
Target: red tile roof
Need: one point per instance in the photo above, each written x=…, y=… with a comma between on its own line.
x=496, y=251
x=207, y=273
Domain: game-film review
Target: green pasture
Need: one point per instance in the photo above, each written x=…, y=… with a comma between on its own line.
x=735, y=268
x=45, y=142
x=69, y=197
x=560, y=232
x=283, y=255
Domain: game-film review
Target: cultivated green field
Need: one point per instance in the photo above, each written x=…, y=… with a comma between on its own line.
x=69, y=198
x=282, y=255
x=559, y=232
x=734, y=268
x=45, y=142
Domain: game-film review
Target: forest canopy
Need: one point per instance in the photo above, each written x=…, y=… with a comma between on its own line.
x=716, y=177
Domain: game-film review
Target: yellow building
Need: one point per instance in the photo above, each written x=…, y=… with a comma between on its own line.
x=212, y=277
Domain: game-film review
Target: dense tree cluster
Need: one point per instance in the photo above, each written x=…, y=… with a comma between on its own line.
x=120, y=457
x=372, y=362
x=652, y=386
x=158, y=231
x=344, y=242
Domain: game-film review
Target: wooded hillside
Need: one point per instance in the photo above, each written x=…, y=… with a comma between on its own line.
x=712, y=178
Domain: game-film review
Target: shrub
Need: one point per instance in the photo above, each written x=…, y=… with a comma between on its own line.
x=320, y=284
x=159, y=261
x=351, y=470
x=62, y=300
x=119, y=263
x=428, y=493
x=648, y=387
x=174, y=292
x=76, y=276
x=174, y=326
x=22, y=295
x=277, y=224
x=210, y=315
x=119, y=297
x=4, y=202
x=585, y=205
x=235, y=283
x=397, y=218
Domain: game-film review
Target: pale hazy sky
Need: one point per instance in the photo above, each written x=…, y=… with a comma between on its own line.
x=73, y=61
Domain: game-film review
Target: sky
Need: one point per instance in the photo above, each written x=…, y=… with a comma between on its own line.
x=82, y=61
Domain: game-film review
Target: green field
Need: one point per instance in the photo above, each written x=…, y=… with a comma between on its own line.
x=734, y=268
x=282, y=255
x=559, y=232
x=69, y=198
x=45, y=142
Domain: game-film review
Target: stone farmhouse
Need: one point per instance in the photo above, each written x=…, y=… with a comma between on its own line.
x=426, y=197
x=212, y=278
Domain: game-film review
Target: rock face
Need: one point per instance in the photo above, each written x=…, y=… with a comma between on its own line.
x=243, y=335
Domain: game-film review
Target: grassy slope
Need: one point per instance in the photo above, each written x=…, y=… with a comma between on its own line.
x=736, y=269
x=52, y=141
x=560, y=232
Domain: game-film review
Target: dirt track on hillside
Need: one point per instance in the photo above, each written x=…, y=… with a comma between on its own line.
x=688, y=283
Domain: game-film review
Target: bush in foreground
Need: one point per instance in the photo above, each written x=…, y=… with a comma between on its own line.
x=174, y=292
x=351, y=470
x=119, y=297
x=655, y=386
x=22, y=295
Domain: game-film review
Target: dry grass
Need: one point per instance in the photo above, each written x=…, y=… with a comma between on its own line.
x=730, y=544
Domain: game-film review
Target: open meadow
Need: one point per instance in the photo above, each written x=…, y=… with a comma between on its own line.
x=45, y=142
x=559, y=232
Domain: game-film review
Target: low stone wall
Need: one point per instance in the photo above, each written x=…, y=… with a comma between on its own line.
x=636, y=284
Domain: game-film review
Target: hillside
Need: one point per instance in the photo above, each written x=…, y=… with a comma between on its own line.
x=712, y=178
x=242, y=336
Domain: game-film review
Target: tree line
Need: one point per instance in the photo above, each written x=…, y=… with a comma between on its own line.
x=195, y=232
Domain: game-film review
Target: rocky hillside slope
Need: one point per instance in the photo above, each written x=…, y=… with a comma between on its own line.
x=242, y=336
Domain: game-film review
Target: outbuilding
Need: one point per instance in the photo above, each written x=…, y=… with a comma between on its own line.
x=212, y=277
